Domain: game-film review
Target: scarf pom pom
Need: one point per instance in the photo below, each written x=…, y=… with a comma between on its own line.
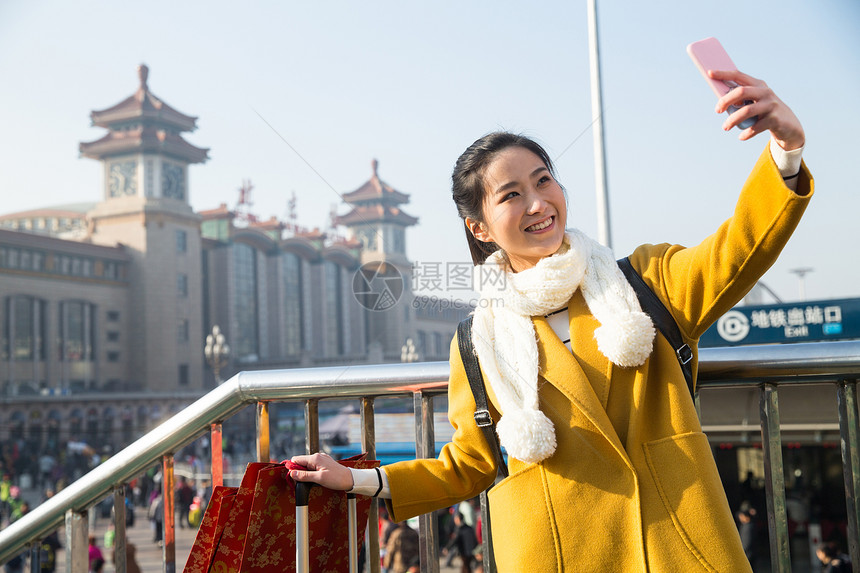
x=527, y=435
x=628, y=340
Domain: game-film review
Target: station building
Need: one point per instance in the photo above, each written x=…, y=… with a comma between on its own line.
x=106, y=305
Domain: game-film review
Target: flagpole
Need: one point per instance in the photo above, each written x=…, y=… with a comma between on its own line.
x=603, y=229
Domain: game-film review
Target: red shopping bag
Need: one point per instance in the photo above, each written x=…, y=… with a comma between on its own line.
x=258, y=529
x=227, y=556
x=270, y=544
x=211, y=527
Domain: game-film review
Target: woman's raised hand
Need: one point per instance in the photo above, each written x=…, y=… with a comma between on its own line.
x=322, y=469
x=773, y=114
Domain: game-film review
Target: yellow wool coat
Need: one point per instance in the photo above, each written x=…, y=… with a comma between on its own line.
x=632, y=485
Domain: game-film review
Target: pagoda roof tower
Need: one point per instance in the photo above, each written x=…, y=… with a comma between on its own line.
x=143, y=123
x=376, y=201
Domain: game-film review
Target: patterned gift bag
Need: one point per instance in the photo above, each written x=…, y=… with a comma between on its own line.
x=227, y=556
x=270, y=544
x=252, y=528
x=211, y=528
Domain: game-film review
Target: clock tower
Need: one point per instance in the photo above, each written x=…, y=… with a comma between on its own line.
x=145, y=207
x=379, y=223
x=144, y=155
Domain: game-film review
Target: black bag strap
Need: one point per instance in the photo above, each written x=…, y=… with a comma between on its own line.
x=476, y=382
x=488, y=427
x=654, y=307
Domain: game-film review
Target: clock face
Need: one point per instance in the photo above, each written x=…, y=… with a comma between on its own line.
x=367, y=235
x=173, y=181
x=122, y=179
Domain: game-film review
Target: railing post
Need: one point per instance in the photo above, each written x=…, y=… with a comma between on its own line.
x=263, y=432
x=215, y=443
x=425, y=447
x=36, y=557
x=312, y=426
x=777, y=521
x=77, y=552
x=119, y=529
x=849, y=433
x=368, y=444
x=169, y=527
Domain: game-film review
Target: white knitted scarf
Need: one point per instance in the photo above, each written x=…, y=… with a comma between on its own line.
x=505, y=340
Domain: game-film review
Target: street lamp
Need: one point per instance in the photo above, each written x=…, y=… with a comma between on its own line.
x=407, y=352
x=216, y=352
x=801, y=279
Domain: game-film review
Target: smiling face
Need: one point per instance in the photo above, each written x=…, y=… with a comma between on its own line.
x=524, y=208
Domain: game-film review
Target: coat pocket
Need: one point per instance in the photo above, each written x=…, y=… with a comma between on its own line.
x=690, y=489
x=522, y=526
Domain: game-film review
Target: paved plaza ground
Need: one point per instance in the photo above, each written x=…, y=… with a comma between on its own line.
x=149, y=554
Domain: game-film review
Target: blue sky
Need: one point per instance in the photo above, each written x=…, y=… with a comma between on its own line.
x=414, y=83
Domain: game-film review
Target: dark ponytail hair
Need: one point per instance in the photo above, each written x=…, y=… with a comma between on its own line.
x=467, y=181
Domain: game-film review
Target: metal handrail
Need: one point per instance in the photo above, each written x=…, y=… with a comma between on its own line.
x=738, y=366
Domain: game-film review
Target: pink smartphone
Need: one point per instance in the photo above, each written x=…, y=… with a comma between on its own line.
x=708, y=54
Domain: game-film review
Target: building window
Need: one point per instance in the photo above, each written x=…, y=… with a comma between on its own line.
x=245, y=301
x=182, y=285
x=183, y=375
x=292, y=276
x=77, y=330
x=113, y=316
x=422, y=343
x=109, y=270
x=183, y=331
x=437, y=344
x=181, y=241
x=399, y=240
x=38, y=261
x=113, y=356
x=24, y=328
x=113, y=336
x=333, y=310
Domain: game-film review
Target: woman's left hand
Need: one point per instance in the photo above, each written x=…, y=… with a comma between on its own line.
x=324, y=470
x=773, y=114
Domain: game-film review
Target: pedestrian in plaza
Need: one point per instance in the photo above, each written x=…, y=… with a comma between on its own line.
x=48, y=552
x=94, y=552
x=832, y=560
x=465, y=541
x=47, y=463
x=184, y=497
x=401, y=548
x=131, y=564
x=609, y=468
x=747, y=532
x=16, y=563
x=5, y=488
x=156, y=516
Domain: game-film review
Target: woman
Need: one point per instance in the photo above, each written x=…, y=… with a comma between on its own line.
x=609, y=469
